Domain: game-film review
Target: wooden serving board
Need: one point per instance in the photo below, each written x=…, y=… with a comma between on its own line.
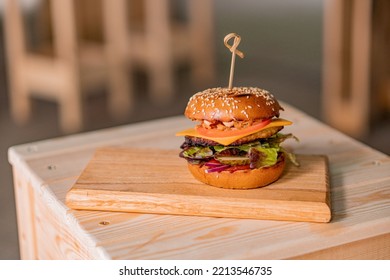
x=157, y=181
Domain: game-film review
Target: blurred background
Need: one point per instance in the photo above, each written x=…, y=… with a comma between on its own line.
x=73, y=66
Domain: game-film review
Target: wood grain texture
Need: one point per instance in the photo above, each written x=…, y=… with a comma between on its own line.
x=158, y=181
x=360, y=197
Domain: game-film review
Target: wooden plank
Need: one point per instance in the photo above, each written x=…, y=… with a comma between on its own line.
x=56, y=239
x=25, y=199
x=157, y=181
x=375, y=248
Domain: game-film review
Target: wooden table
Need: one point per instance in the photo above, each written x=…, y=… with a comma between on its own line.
x=44, y=171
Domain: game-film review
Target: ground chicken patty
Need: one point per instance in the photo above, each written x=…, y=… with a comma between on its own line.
x=268, y=132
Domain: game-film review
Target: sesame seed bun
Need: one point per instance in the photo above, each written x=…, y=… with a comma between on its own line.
x=238, y=104
x=242, y=179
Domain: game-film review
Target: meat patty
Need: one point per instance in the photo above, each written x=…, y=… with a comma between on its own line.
x=198, y=141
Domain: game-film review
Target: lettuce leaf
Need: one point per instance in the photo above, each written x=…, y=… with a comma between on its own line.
x=262, y=157
x=198, y=152
x=278, y=138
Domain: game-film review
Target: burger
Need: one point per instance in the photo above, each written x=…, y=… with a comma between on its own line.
x=236, y=142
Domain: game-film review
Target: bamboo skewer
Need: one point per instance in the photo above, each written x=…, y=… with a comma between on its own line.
x=233, y=49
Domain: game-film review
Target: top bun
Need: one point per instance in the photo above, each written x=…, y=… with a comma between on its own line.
x=238, y=104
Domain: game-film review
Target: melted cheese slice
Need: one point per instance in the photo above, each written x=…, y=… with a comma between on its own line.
x=230, y=139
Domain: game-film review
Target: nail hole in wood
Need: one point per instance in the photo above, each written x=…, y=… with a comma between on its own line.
x=51, y=167
x=104, y=223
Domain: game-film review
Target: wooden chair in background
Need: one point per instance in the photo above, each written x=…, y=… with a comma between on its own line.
x=356, y=73
x=55, y=78
x=76, y=65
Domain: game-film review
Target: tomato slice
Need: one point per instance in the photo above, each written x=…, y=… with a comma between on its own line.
x=226, y=133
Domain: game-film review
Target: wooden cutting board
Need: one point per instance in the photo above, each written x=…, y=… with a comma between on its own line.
x=157, y=181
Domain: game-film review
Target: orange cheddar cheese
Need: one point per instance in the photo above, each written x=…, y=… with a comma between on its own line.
x=230, y=139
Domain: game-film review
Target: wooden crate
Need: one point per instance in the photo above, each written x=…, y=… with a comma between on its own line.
x=45, y=171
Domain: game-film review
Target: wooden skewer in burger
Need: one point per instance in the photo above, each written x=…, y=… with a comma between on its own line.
x=236, y=144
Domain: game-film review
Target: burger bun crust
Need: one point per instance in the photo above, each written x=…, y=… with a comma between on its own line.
x=235, y=104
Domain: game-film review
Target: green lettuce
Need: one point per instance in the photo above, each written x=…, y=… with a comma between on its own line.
x=267, y=156
x=198, y=152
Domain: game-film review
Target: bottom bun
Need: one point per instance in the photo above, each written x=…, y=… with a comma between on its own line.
x=241, y=179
